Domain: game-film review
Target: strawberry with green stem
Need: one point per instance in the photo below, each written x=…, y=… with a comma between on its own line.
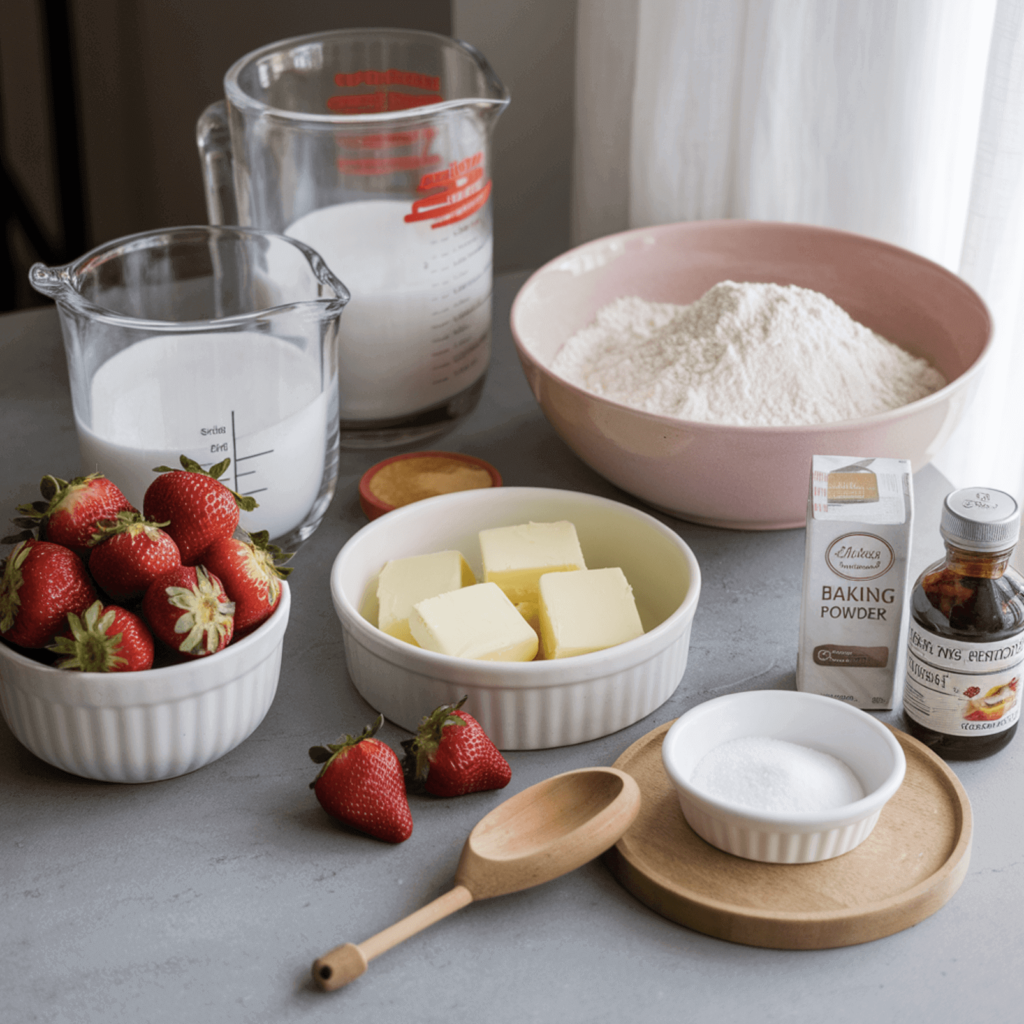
x=129, y=554
x=197, y=507
x=70, y=510
x=187, y=609
x=251, y=571
x=361, y=785
x=41, y=583
x=451, y=755
x=105, y=639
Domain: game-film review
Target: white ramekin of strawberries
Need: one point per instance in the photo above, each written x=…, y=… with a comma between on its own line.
x=139, y=646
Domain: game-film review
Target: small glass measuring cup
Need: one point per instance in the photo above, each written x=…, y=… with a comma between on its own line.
x=373, y=147
x=211, y=342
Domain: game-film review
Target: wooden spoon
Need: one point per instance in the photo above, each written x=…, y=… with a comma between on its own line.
x=543, y=832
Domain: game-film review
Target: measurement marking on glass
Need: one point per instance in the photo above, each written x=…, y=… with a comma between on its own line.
x=242, y=458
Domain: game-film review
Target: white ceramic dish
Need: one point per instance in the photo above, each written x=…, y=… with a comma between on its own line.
x=144, y=726
x=752, y=478
x=528, y=705
x=823, y=723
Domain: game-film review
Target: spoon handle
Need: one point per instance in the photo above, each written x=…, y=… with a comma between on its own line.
x=345, y=963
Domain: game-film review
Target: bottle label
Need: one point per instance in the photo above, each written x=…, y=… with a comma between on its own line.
x=962, y=689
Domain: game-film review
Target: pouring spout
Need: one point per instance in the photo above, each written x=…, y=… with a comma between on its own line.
x=50, y=281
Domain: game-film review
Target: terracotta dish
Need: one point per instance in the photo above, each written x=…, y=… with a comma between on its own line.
x=413, y=476
x=751, y=478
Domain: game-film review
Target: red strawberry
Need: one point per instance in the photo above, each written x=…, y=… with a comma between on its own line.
x=361, y=785
x=129, y=554
x=187, y=609
x=41, y=583
x=251, y=572
x=452, y=755
x=107, y=639
x=71, y=509
x=197, y=507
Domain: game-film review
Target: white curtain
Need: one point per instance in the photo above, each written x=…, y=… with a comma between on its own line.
x=899, y=119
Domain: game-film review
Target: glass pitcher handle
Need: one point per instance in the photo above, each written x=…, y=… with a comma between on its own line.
x=214, y=141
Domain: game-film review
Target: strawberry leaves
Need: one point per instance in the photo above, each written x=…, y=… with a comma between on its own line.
x=245, y=502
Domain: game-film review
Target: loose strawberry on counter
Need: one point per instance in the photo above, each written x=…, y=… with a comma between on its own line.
x=361, y=784
x=251, y=572
x=70, y=511
x=197, y=507
x=105, y=639
x=42, y=582
x=451, y=755
x=188, y=610
x=129, y=554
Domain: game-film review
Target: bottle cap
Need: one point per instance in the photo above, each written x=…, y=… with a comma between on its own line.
x=980, y=519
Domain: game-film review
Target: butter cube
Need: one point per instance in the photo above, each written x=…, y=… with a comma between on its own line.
x=403, y=582
x=515, y=557
x=586, y=611
x=477, y=622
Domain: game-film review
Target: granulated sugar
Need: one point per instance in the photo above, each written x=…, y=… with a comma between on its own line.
x=768, y=774
x=744, y=354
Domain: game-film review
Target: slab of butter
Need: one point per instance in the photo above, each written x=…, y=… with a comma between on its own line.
x=515, y=557
x=405, y=581
x=477, y=622
x=586, y=611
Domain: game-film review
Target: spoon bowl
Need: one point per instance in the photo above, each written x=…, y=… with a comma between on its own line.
x=547, y=830
x=537, y=835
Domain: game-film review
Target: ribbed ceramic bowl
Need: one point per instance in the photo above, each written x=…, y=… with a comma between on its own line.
x=536, y=704
x=869, y=749
x=144, y=726
x=752, y=478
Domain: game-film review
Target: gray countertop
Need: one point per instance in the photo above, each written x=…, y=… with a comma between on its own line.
x=207, y=897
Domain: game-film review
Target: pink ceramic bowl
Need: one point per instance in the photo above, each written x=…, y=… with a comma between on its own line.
x=749, y=478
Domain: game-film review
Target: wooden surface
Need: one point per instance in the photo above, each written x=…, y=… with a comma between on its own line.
x=910, y=865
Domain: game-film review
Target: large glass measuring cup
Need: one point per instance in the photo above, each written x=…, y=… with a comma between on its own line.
x=373, y=147
x=211, y=342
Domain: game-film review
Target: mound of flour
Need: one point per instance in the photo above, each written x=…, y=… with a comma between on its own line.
x=744, y=354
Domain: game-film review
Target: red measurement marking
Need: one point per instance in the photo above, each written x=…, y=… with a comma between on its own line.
x=385, y=164
x=388, y=152
x=458, y=192
x=378, y=102
x=385, y=95
x=421, y=137
x=392, y=76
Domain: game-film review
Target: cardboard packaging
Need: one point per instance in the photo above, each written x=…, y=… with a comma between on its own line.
x=853, y=622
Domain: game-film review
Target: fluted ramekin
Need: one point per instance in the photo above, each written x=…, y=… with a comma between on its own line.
x=536, y=704
x=144, y=726
x=866, y=746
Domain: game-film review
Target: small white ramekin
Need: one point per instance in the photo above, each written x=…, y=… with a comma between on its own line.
x=870, y=750
x=527, y=705
x=144, y=726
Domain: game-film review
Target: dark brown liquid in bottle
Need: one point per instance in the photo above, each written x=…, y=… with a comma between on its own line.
x=970, y=598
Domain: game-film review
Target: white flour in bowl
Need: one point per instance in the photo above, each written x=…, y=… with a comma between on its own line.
x=744, y=354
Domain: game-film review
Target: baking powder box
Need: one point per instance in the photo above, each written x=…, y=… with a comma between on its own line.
x=853, y=620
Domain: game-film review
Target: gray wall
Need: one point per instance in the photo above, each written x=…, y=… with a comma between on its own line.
x=146, y=68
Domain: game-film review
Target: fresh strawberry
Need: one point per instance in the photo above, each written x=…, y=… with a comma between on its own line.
x=41, y=583
x=105, y=639
x=129, y=554
x=197, y=507
x=71, y=509
x=361, y=785
x=451, y=755
x=187, y=609
x=251, y=572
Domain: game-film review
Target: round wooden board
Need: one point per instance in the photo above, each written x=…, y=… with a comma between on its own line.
x=910, y=865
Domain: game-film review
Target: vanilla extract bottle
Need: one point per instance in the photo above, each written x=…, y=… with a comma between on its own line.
x=965, y=642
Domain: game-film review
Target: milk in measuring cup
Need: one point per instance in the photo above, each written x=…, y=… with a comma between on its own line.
x=417, y=330
x=246, y=396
